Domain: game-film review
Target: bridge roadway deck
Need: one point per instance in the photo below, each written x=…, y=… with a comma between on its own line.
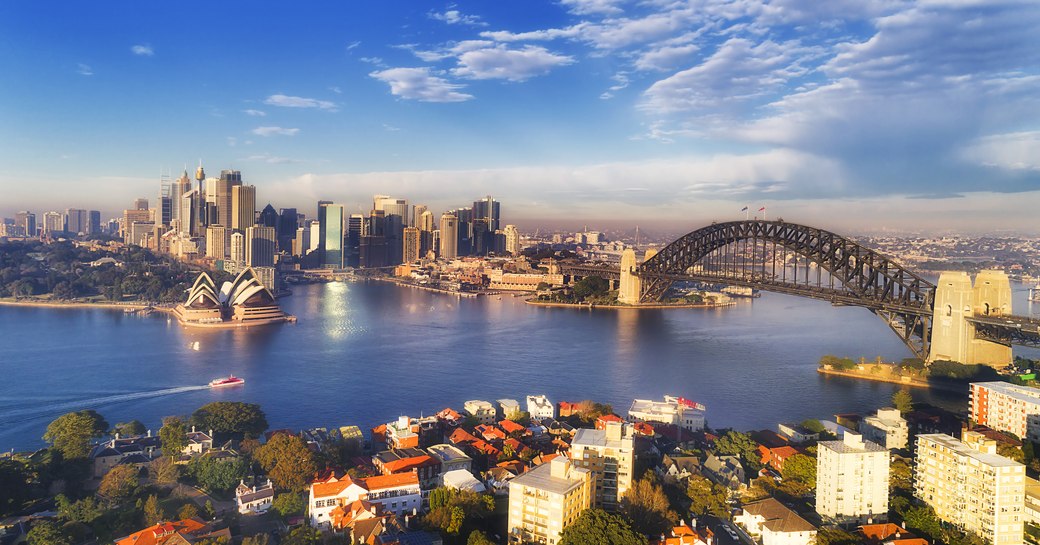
x=1009, y=329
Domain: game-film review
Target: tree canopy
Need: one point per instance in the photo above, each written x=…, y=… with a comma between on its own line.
x=453, y=512
x=646, y=506
x=120, y=483
x=129, y=429
x=173, y=436
x=597, y=527
x=707, y=497
x=735, y=443
x=217, y=475
x=71, y=433
x=903, y=401
x=47, y=533
x=287, y=461
x=230, y=417
x=799, y=474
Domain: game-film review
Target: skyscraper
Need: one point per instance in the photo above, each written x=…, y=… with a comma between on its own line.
x=287, y=225
x=178, y=188
x=356, y=228
x=396, y=214
x=321, y=228
x=410, y=252
x=243, y=206
x=27, y=222
x=228, y=180
x=487, y=209
x=417, y=211
x=426, y=225
x=449, y=236
x=216, y=237
x=164, y=209
x=190, y=218
x=76, y=221
x=332, y=223
x=512, y=235
x=53, y=223
x=94, y=222
x=268, y=217
x=238, y=247
x=260, y=246
x=141, y=204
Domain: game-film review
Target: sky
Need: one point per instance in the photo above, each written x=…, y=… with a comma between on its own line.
x=862, y=115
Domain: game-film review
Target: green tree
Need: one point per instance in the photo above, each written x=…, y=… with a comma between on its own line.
x=173, y=436
x=287, y=461
x=86, y=510
x=288, y=504
x=923, y=521
x=153, y=512
x=208, y=509
x=217, y=475
x=15, y=477
x=813, y=425
x=231, y=417
x=304, y=535
x=799, y=474
x=829, y=535
x=735, y=443
x=71, y=433
x=187, y=511
x=707, y=497
x=903, y=401
x=47, y=533
x=130, y=429
x=477, y=537
x=646, y=506
x=119, y=484
x=258, y=539
x=597, y=527
x=452, y=511
x=590, y=286
x=900, y=478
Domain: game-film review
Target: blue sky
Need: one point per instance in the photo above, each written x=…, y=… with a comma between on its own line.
x=853, y=114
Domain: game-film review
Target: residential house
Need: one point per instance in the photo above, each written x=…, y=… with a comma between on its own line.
x=409, y=460
x=540, y=407
x=888, y=534
x=181, y=532
x=567, y=409
x=726, y=471
x=450, y=458
x=513, y=429
x=483, y=411
x=774, y=457
x=775, y=524
x=398, y=494
x=254, y=498
x=686, y=535
x=106, y=455
x=461, y=479
x=508, y=408
x=679, y=468
x=796, y=433
x=198, y=442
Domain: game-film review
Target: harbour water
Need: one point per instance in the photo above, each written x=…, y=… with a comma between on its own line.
x=364, y=353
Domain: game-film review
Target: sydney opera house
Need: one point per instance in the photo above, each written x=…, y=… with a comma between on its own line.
x=242, y=302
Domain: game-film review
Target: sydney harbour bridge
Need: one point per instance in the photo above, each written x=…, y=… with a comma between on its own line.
x=949, y=320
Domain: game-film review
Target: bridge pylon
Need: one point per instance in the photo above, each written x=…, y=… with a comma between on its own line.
x=957, y=301
x=630, y=291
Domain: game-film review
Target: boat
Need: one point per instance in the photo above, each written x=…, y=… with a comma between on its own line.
x=194, y=346
x=230, y=380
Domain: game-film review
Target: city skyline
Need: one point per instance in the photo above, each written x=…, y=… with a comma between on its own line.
x=901, y=115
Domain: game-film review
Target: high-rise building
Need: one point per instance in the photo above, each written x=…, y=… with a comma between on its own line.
x=357, y=227
x=852, y=480
x=260, y=246
x=268, y=217
x=487, y=209
x=427, y=225
x=970, y=486
x=75, y=221
x=164, y=208
x=417, y=211
x=53, y=223
x=1007, y=407
x=315, y=228
x=191, y=213
x=410, y=253
x=94, y=222
x=464, y=232
x=178, y=188
x=288, y=222
x=547, y=499
x=228, y=180
x=243, y=206
x=216, y=242
x=332, y=221
x=609, y=455
x=130, y=217
x=238, y=247
x=372, y=251
x=141, y=204
x=321, y=227
x=27, y=222
x=449, y=232
x=512, y=235
x=302, y=241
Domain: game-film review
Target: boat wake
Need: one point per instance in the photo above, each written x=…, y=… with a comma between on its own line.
x=57, y=409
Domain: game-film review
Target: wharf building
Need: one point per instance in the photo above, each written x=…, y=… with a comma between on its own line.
x=1007, y=407
x=852, y=480
x=970, y=486
x=608, y=454
x=547, y=499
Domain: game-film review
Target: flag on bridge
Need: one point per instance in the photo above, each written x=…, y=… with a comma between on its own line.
x=743, y=209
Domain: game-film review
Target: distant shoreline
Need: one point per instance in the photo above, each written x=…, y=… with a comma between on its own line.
x=135, y=305
x=592, y=306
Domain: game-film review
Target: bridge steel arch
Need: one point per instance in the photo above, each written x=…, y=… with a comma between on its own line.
x=857, y=276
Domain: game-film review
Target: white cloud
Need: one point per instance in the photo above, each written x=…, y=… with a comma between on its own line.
x=275, y=131
x=255, y=113
x=336, y=90
x=142, y=50
x=270, y=159
x=420, y=84
x=1011, y=151
x=287, y=101
x=665, y=57
x=589, y=7
x=353, y=44
x=84, y=70
x=455, y=17
x=499, y=62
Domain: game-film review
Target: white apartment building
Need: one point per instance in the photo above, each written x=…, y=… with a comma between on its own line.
x=483, y=411
x=545, y=500
x=970, y=486
x=852, y=479
x=673, y=410
x=399, y=494
x=887, y=428
x=609, y=455
x=540, y=407
x=1007, y=407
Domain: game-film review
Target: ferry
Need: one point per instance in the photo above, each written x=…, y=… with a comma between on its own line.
x=230, y=380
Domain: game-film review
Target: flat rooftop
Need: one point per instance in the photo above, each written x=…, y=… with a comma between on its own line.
x=958, y=446
x=541, y=478
x=1014, y=391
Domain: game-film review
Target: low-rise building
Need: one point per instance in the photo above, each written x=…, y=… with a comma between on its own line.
x=461, y=479
x=775, y=524
x=673, y=410
x=796, y=433
x=685, y=535
x=409, y=460
x=540, y=407
x=887, y=428
x=450, y=458
x=483, y=411
x=508, y=408
x=970, y=486
x=179, y=532
x=545, y=500
x=852, y=480
x=398, y=494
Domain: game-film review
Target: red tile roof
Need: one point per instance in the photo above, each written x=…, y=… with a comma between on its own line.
x=407, y=464
x=511, y=427
x=163, y=532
